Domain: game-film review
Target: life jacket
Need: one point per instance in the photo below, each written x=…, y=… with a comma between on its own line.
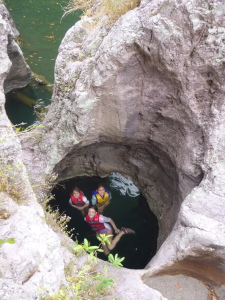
x=78, y=201
x=95, y=224
x=100, y=199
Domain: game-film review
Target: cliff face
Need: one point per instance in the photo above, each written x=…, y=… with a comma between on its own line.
x=145, y=98
x=19, y=73
x=37, y=258
x=35, y=265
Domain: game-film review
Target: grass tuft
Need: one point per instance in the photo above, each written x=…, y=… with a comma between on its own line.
x=113, y=9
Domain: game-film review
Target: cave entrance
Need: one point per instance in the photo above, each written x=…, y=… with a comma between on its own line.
x=128, y=208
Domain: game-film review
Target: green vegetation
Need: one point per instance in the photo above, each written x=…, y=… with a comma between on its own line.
x=57, y=221
x=113, y=9
x=87, y=282
x=10, y=172
x=8, y=181
x=9, y=241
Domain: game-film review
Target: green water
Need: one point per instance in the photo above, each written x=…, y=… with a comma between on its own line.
x=125, y=210
x=41, y=30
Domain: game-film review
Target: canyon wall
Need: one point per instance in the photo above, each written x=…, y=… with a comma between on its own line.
x=35, y=264
x=145, y=97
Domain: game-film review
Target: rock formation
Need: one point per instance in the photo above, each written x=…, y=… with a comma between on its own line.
x=144, y=97
x=35, y=265
x=37, y=259
x=20, y=73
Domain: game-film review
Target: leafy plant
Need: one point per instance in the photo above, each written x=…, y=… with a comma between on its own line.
x=87, y=282
x=104, y=238
x=21, y=129
x=10, y=241
x=93, y=250
x=115, y=260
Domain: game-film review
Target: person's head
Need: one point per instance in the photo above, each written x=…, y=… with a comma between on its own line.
x=92, y=211
x=101, y=190
x=76, y=192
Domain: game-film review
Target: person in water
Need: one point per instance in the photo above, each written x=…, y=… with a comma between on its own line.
x=78, y=200
x=101, y=197
x=102, y=224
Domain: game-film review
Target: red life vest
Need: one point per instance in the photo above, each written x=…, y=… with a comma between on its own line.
x=95, y=224
x=78, y=201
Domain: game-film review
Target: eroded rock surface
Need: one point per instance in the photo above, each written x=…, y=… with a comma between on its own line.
x=35, y=264
x=36, y=259
x=145, y=98
x=20, y=73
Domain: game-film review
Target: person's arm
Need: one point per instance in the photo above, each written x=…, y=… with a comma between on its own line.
x=93, y=199
x=114, y=226
x=104, y=219
x=86, y=201
x=104, y=205
x=84, y=206
x=80, y=207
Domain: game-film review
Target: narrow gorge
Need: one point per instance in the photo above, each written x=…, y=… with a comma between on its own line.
x=143, y=97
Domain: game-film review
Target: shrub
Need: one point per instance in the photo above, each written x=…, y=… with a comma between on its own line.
x=87, y=282
x=57, y=221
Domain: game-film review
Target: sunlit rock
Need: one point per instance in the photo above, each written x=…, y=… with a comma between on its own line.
x=125, y=186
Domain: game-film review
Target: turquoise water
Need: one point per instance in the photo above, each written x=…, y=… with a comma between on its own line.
x=41, y=30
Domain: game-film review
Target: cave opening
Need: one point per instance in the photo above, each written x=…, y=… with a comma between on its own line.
x=128, y=208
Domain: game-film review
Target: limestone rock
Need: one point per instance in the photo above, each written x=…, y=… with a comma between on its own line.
x=35, y=261
x=20, y=73
x=35, y=264
x=144, y=98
